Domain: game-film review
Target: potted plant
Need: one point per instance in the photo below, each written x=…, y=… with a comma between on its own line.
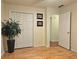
x=10, y=29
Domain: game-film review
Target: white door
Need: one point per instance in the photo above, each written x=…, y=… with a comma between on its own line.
x=25, y=39
x=64, y=30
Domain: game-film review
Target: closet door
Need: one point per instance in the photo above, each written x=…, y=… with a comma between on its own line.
x=64, y=30
x=25, y=39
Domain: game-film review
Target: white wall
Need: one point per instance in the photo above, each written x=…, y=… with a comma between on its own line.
x=54, y=28
x=39, y=32
x=73, y=9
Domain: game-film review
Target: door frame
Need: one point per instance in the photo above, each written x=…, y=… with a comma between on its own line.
x=70, y=28
x=32, y=25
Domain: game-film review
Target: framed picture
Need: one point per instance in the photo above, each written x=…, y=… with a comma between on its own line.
x=39, y=23
x=39, y=16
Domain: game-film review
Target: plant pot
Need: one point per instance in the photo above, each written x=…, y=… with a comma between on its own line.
x=11, y=44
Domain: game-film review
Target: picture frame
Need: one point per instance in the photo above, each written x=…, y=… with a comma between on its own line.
x=39, y=23
x=39, y=16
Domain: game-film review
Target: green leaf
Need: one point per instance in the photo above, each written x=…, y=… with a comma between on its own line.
x=11, y=28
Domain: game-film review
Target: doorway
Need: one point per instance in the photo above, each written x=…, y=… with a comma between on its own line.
x=54, y=30
x=60, y=30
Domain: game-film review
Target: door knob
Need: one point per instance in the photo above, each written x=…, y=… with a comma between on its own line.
x=68, y=32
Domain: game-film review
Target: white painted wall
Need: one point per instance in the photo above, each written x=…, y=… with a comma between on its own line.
x=73, y=9
x=54, y=28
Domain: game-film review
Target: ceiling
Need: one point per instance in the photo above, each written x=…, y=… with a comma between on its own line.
x=41, y=3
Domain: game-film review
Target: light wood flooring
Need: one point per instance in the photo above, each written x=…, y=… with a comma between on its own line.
x=41, y=53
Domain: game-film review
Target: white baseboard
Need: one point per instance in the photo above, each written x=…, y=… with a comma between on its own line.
x=2, y=53
x=74, y=50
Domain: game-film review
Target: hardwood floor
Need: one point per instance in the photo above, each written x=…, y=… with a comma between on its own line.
x=53, y=44
x=41, y=53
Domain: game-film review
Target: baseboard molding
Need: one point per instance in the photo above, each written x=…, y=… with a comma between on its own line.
x=74, y=50
x=54, y=41
x=40, y=45
x=2, y=53
x=48, y=46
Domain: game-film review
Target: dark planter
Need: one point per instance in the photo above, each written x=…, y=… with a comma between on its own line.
x=11, y=44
